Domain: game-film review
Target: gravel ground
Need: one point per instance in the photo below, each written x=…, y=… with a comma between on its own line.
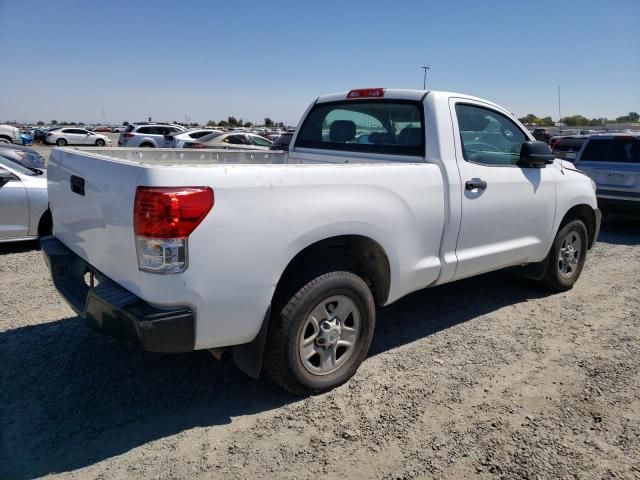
x=487, y=377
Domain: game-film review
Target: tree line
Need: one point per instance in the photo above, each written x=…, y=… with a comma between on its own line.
x=229, y=122
x=579, y=120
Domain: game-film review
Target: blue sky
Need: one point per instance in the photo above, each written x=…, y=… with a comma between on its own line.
x=67, y=60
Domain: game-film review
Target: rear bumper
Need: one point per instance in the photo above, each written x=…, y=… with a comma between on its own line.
x=112, y=310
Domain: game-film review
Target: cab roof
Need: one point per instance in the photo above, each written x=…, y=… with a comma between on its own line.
x=399, y=94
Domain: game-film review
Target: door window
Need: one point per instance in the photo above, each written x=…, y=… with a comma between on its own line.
x=488, y=137
x=235, y=139
x=261, y=142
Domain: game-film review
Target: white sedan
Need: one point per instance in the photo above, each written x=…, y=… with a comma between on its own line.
x=231, y=141
x=177, y=140
x=75, y=136
x=25, y=211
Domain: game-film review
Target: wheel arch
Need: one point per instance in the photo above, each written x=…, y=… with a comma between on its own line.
x=587, y=215
x=357, y=253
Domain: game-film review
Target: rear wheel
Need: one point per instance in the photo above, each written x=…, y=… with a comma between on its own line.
x=100, y=142
x=322, y=335
x=566, y=258
x=61, y=142
x=5, y=140
x=147, y=145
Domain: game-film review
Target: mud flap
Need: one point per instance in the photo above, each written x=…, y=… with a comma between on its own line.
x=248, y=356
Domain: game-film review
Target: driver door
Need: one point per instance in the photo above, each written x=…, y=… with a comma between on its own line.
x=507, y=210
x=14, y=213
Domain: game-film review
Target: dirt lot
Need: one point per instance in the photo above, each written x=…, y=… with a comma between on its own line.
x=487, y=377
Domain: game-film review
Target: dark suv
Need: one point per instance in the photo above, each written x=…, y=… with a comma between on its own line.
x=566, y=148
x=542, y=134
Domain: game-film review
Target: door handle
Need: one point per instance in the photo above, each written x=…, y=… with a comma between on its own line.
x=475, y=184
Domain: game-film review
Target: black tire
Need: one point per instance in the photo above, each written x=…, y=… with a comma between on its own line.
x=283, y=362
x=553, y=278
x=45, y=226
x=61, y=142
x=5, y=140
x=147, y=145
x=100, y=143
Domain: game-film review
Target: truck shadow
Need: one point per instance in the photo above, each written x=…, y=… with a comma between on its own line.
x=72, y=398
x=19, y=247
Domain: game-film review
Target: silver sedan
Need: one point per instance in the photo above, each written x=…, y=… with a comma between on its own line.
x=24, y=204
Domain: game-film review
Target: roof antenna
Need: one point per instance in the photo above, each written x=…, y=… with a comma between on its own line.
x=424, y=79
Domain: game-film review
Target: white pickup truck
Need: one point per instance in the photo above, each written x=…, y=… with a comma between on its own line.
x=281, y=258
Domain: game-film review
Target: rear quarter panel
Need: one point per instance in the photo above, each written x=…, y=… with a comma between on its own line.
x=265, y=214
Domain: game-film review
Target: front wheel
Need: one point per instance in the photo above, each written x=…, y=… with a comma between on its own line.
x=566, y=258
x=100, y=143
x=322, y=335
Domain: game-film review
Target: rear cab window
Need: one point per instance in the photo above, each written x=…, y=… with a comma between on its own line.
x=624, y=149
x=391, y=127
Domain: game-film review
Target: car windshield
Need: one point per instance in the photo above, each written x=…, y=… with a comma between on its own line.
x=17, y=167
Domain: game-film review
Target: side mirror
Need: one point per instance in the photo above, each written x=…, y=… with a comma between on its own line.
x=6, y=176
x=535, y=154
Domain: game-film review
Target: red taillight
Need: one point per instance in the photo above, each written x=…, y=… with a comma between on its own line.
x=48, y=134
x=170, y=212
x=128, y=135
x=366, y=93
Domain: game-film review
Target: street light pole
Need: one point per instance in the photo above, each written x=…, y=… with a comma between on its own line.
x=424, y=79
x=559, y=112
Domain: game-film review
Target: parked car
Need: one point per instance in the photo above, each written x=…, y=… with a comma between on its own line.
x=232, y=140
x=25, y=211
x=177, y=140
x=613, y=162
x=566, y=148
x=286, y=266
x=147, y=135
x=282, y=141
x=75, y=136
x=102, y=128
x=542, y=134
x=10, y=134
x=25, y=156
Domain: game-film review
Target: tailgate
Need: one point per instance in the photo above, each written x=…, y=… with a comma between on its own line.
x=614, y=180
x=91, y=202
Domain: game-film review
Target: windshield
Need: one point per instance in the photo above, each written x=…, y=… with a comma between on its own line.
x=16, y=167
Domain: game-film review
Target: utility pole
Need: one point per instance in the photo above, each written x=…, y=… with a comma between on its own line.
x=424, y=79
x=559, y=111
